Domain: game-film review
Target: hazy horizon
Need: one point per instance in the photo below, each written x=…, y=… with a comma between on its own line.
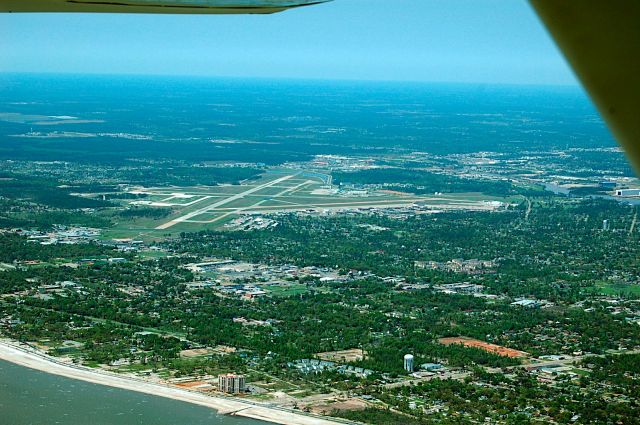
x=570, y=86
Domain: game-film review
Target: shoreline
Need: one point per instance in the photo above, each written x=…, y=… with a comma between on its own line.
x=10, y=351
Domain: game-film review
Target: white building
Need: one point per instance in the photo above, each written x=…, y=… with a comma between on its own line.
x=527, y=303
x=231, y=383
x=628, y=192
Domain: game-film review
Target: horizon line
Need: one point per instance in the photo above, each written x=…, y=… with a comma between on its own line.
x=290, y=78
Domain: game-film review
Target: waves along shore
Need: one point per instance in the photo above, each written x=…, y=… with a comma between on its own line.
x=14, y=353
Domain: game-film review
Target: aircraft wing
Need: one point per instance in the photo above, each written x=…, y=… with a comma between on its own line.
x=155, y=6
x=601, y=40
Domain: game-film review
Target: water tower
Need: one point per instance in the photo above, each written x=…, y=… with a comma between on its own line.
x=408, y=362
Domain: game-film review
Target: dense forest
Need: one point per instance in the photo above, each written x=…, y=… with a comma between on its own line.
x=44, y=191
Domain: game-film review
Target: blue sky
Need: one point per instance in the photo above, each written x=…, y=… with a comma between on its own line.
x=486, y=41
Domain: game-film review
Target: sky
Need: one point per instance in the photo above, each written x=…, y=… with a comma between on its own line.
x=468, y=41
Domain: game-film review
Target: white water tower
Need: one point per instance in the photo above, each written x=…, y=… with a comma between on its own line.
x=408, y=363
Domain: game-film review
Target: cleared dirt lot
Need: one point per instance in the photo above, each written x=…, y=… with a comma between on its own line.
x=343, y=356
x=350, y=404
x=476, y=343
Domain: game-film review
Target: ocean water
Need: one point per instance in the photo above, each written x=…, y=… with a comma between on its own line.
x=31, y=397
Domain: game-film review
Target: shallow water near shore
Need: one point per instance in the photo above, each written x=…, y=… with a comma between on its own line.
x=29, y=397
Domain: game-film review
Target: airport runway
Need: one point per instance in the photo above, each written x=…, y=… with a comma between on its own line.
x=222, y=202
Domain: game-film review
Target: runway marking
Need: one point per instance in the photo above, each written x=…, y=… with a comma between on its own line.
x=257, y=204
x=382, y=203
x=259, y=209
x=220, y=203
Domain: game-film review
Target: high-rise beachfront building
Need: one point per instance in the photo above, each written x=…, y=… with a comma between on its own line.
x=231, y=383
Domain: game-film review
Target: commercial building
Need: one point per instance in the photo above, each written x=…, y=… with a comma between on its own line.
x=628, y=192
x=408, y=363
x=432, y=367
x=527, y=303
x=231, y=383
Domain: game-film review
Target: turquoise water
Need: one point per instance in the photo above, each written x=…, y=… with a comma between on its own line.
x=31, y=397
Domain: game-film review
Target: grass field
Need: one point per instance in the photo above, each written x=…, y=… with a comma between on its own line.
x=610, y=288
x=285, y=291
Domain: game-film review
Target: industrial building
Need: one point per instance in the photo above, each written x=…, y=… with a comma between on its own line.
x=231, y=383
x=432, y=367
x=628, y=192
x=608, y=184
x=527, y=303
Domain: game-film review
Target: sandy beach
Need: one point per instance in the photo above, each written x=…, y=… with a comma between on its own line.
x=12, y=352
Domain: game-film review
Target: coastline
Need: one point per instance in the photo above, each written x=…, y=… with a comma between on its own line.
x=10, y=351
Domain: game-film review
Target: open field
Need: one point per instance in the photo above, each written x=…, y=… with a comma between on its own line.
x=491, y=348
x=617, y=288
